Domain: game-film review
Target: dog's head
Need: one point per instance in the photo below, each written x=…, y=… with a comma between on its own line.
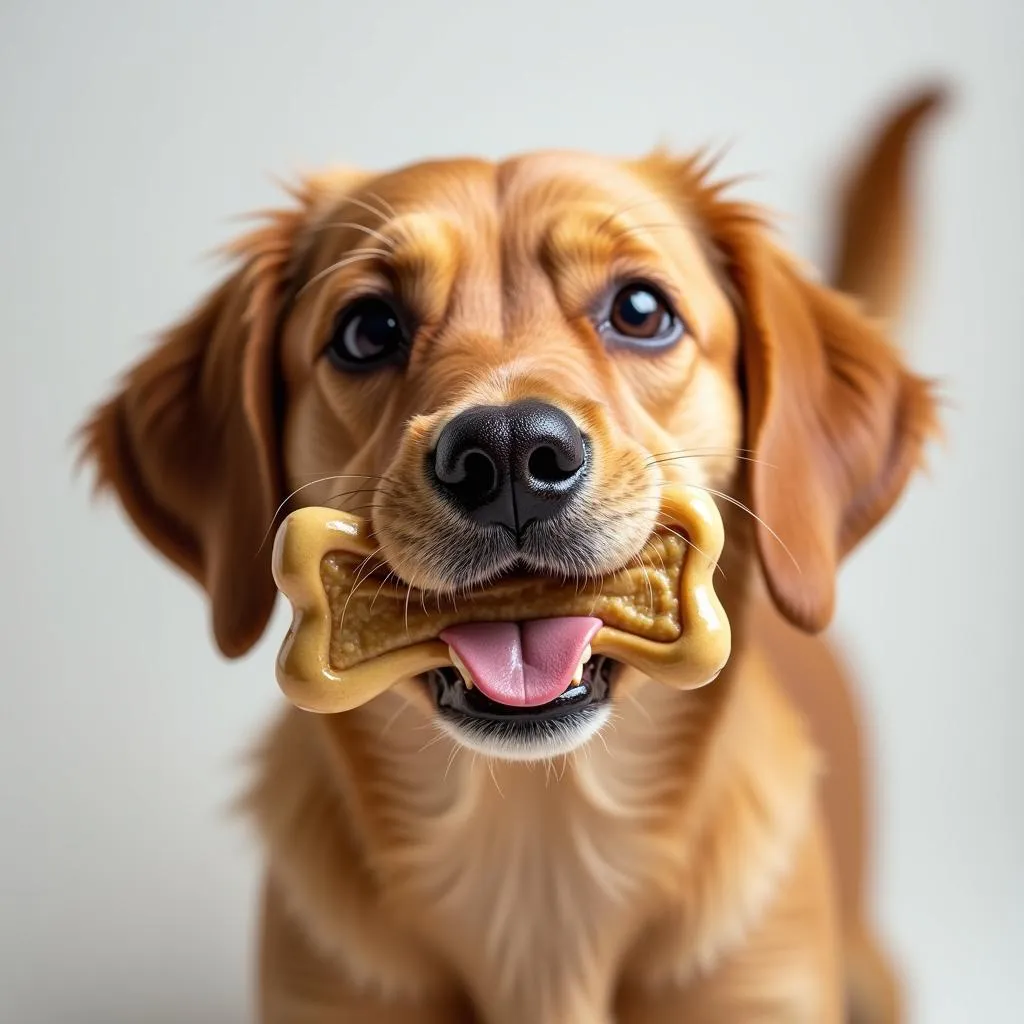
x=500, y=365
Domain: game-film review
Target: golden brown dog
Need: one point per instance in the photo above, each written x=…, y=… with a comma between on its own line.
x=651, y=855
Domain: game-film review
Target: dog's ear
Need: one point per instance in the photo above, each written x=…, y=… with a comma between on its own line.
x=836, y=421
x=189, y=445
x=189, y=441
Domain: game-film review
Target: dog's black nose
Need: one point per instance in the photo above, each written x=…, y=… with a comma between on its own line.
x=510, y=464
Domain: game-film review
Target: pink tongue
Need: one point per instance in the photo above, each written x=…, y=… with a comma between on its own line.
x=522, y=663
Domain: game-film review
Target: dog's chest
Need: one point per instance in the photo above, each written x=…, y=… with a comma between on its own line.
x=533, y=896
x=533, y=881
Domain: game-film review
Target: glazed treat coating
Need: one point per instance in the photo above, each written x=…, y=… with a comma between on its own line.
x=352, y=638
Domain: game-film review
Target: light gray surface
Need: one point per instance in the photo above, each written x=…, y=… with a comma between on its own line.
x=131, y=132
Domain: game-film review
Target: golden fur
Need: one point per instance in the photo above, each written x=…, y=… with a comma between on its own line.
x=679, y=866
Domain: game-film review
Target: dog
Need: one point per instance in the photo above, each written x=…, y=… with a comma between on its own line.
x=660, y=855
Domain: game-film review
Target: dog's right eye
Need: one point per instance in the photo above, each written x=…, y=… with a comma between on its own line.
x=367, y=334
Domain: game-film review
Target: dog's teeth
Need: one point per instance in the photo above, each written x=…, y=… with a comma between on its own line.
x=577, y=676
x=463, y=671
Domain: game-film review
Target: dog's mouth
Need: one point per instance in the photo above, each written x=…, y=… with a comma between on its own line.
x=466, y=709
x=523, y=689
x=522, y=664
x=526, y=664
x=524, y=732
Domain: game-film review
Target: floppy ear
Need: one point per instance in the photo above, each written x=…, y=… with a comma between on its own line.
x=836, y=421
x=189, y=441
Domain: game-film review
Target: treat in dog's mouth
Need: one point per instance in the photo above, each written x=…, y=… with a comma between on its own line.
x=518, y=663
x=513, y=682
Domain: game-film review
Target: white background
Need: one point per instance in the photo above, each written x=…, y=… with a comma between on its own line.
x=132, y=131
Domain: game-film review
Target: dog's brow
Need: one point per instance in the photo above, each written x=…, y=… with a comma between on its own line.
x=414, y=245
x=420, y=237
x=599, y=233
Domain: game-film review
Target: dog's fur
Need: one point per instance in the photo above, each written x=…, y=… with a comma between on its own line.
x=679, y=866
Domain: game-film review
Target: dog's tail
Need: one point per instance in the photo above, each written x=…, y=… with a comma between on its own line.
x=876, y=230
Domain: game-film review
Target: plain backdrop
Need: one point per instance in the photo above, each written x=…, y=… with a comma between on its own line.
x=132, y=132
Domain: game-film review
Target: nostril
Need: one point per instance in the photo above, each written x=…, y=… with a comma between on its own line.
x=548, y=450
x=546, y=465
x=479, y=474
x=471, y=473
x=470, y=462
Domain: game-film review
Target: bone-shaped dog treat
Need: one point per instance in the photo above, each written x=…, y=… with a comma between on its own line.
x=355, y=634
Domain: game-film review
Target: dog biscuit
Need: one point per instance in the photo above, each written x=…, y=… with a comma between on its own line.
x=355, y=633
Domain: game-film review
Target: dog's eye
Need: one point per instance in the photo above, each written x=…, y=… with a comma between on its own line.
x=367, y=334
x=641, y=317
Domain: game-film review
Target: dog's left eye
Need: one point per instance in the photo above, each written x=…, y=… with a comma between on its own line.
x=367, y=334
x=641, y=317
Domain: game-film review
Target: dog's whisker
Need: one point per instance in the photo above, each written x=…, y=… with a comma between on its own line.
x=630, y=229
x=391, y=721
x=661, y=561
x=713, y=449
x=361, y=476
x=436, y=738
x=302, y=487
x=619, y=211
x=358, y=510
x=383, y=583
x=669, y=527
x=408, y=595
x=383, y=202
x=663, y=460
x=750, y=512
x=635, y=700
x=494, y=778
x=359, y=579
x=357, y=582
x=356, y=257
x=451, y=760
x=412, y=585
x=362, y=204
x=600, y=594
x=377, y=489
x=372, y=232
x=655, y=551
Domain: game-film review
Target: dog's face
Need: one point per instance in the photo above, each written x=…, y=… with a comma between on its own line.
x=500, y=365
x=504, y=351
